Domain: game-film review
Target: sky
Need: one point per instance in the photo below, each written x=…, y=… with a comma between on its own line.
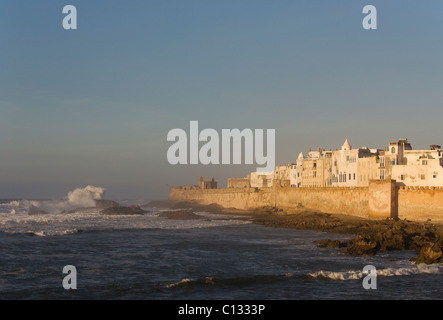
x=93, y=106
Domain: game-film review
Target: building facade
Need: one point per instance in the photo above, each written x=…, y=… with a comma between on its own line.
x=348, y=167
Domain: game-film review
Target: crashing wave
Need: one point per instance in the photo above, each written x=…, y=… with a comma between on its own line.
x=234, y=281
x=85, y=197
x=388, y=272
x=53, y=233
x=13, y=203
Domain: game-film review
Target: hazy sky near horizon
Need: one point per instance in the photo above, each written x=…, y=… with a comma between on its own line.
x=93, y=106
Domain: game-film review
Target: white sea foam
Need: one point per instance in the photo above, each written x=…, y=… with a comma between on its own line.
x=46, y=233
x=84, y=197
x=179, y=283
x=388, y=272
x=17, y=220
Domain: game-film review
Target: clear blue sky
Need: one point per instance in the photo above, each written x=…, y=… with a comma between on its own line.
x=94, y=105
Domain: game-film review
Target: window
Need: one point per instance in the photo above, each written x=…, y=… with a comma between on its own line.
x=315, y=174
x=347, y=158
x=424, y=162
x=392, y=150
x=354, y=176
x=349, y=176
x=434, y=176
x=393, y=162
x=382, y=174
x=422, y=177
x=382, y=162
x=402, y=177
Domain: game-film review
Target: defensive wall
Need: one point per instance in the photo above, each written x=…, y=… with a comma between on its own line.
x=380, y=200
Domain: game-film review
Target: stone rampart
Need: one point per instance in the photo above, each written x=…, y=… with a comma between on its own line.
x=380, y=200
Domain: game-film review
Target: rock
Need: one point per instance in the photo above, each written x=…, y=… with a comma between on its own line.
x=429, y=253
x=391, y=241
x=326, y=243
x=34, y=211
x=159, y=204
x=120, y=210
x=105, y=204
x=361, y=246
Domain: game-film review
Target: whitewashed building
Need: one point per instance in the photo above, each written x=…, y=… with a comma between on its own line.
x=418, y=168
x=349, y=167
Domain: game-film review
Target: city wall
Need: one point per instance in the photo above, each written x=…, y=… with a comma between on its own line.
x=420, y=203
x=381, y=200
x=352, y=201
x=239, y=198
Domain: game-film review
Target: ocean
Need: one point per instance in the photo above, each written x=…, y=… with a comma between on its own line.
x=149, y=257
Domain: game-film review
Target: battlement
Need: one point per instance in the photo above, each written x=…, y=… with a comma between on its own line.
x=380, y=200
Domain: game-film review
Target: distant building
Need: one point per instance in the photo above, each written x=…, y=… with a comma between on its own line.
x=239, y=183
x=348, y=167
x=345, y=165
x=337, y=168
x=415, y=167
x=203, y=185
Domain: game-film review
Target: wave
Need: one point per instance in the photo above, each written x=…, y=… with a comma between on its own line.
x=232, y=281
x=388, y=272
x=85, y=197
x=53, y=233
x=13, y=203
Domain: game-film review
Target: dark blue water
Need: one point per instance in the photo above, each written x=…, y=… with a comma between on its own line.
x=238, y=261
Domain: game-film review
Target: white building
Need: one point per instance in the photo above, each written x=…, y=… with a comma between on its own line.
x=295, y=172
x=415, y=167
x=349, y=167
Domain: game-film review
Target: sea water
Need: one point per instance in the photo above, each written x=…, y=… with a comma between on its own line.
x=214, y=257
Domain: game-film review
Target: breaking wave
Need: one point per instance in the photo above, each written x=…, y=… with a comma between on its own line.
x=13, y=203
x=53, y=233
x=45, y=218
x=233, y=281
x=84, y=197
x=388, y=272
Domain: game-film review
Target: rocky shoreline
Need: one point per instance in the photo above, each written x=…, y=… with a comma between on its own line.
x=371, y=236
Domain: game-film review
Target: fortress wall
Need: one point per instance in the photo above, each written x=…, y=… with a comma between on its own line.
x=245, y=198
x=417, y=204
x=382, y=199
x=351, y=200
x=420, y=204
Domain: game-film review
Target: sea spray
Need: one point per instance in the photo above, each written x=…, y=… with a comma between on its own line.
x=84, y=197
